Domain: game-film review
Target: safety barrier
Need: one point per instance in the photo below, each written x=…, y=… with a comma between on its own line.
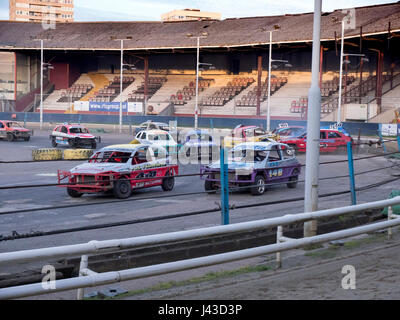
x=89, y=278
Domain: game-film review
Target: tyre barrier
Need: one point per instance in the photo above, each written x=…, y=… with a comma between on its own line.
x=78, y=154
x=46, y=154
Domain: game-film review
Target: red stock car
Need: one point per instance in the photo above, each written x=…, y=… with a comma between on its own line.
x=330, y=141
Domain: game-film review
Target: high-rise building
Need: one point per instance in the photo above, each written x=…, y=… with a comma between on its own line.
x=42, y=10
x=190, y=14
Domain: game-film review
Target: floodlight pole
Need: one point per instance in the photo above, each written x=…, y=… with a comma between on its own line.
x=340, y=76
x=41, y=84
x=313, y=128
x=120, y=88
x=197, y=85
x=269, y=83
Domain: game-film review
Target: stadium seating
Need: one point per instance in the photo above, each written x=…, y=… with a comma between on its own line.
x=250, y=100
x=75, y=92
x=226, y=93
x=154, y=84
x=188, y=92
x=110, y=92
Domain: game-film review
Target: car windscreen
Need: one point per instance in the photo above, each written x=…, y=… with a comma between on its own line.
x=158, y=137
x=111, y=156
x=78, y=130
x=14, y=125
x=247, y=155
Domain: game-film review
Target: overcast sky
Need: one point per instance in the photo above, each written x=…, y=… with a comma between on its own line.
x=151, y=10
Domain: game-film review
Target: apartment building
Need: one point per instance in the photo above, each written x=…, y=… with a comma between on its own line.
x=190, y=14
x=42, y=10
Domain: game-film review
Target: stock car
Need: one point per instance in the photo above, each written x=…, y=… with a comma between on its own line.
x=12, y=130
x=254, y=164
x=73, y=135
x=199, y=142
x=159, y=137
x=289, y=131
x=243, y=133
x=330, y=141
x=120, y=169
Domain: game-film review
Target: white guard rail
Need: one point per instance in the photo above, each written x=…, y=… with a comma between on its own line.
x=89, y=278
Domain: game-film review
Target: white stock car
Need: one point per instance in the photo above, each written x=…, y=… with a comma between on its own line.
x=73, y=135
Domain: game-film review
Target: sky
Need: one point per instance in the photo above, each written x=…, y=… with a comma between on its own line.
x=151, y=10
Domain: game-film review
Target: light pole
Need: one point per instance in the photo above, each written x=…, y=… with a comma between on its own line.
x=120, y=79
x=277, y=27
x=338, y=121
x=269, y=85
x=313, y=128
x=42, y=65
x=196, y=106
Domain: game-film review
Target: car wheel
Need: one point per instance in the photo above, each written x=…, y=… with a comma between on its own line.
x=94, y=145
x=10, y=137
x=293, y=182
x=122, y=189
x=342, y=150
x=209, y=186
x=168, y=184
x=72, y=143
x=259, y=186
x=73, y=193
x=53, y=143
x=27, y=138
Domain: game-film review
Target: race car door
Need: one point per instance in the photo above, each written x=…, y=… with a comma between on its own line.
x=274, y=163
x=3, y=131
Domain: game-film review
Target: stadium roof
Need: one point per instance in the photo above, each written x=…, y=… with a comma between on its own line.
x=238, y=32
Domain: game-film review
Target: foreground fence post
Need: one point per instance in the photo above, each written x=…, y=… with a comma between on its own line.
x=279, y=234
x=381, y=140
x=398, y=143
x=351, y=173
x=224, y=187
x=83, y=265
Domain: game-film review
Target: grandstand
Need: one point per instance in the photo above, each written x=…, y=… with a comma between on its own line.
x=86, y=63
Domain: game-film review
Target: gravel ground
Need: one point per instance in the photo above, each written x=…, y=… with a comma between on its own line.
x=309, y=275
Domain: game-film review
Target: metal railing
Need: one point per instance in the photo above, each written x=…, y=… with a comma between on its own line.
x=89, y=278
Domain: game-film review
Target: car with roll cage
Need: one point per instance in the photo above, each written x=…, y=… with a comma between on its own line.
x=199, y=142
x=159, y=137
x=254, y=165
x=330, y=141
x=242, y=133
x=74, y=136
x=13, y=130
x=121, y=169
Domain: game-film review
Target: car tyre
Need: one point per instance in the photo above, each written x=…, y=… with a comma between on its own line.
x=27, y=138
x=94, y=145
x=73, y=193
x=72, y=143
x=10, y=137
x=209, y=186
x=293, y=182
x=168, y=184
x=53, y=143
x=122, y=189
x=259, y=187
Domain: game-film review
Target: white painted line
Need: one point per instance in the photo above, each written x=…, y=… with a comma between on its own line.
x=46, y=174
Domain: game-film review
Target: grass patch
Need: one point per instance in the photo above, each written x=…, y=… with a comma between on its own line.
x=204, y=278
x=313, y=247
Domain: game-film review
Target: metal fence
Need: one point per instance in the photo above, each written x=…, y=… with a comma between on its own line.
x=89, y=278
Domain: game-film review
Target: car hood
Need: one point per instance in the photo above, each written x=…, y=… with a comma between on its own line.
x=238, y=166
x=19, y=129
x=83, y=135
x=99, y=167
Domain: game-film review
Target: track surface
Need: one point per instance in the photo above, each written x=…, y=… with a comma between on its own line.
x=38, y=173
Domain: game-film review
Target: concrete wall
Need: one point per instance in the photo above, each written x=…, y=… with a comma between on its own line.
x=209, y=122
